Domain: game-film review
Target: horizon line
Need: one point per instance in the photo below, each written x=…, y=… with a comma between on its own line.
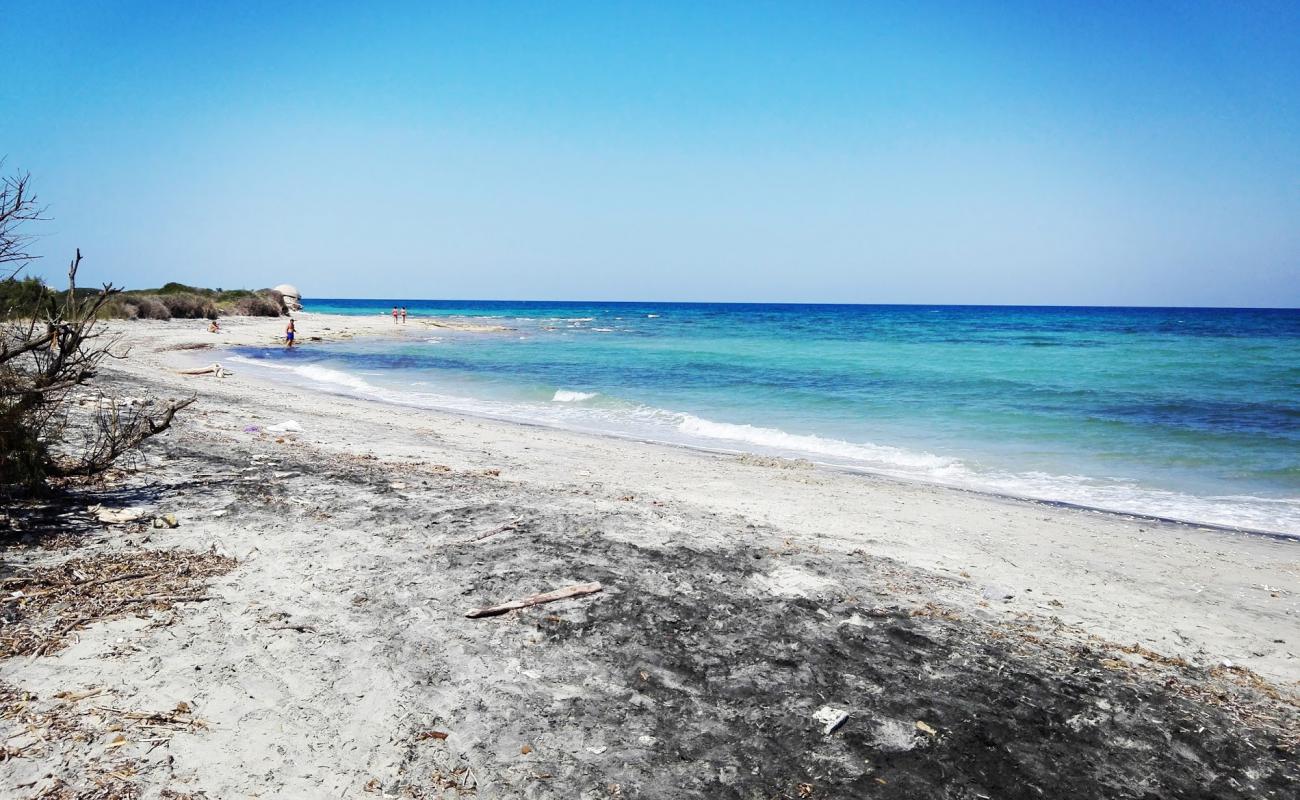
x=398, y=301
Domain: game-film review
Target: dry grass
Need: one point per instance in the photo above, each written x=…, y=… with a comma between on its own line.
x=32, y=726
x=42, y=608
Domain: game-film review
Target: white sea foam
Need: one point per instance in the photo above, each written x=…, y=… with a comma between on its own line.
x=777, y=439
x=566, y=396
x=315, y=373
x=567, y=409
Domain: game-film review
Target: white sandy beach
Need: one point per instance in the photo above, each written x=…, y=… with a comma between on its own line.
x=361, y=568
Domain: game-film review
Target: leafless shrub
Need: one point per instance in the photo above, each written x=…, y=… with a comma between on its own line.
x=17, y=205
x=44, y=357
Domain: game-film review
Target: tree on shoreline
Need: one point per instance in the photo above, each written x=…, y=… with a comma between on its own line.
x=48, y=351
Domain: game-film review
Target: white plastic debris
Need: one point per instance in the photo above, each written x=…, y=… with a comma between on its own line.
x=285, y=427
x=831, y=717
x=116, y=516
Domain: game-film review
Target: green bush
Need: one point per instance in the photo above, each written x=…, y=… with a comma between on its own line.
x=189, y=306
x=145, y=307
x=180, y=288
x=30, y=296
x=23, y=298
x=255, y=306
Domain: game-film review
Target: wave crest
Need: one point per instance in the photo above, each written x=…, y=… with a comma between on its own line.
x=568, y=396
x=816, y=445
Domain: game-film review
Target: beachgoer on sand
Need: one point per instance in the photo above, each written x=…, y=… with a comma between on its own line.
x=289, y=331
x=394, y=315
x=403, y=315
x=213, y=327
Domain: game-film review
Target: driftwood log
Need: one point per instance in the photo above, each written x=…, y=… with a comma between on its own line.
x=212, y=369
x=577, y=590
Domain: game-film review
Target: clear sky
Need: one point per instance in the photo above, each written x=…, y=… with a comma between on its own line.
x=1096, y=153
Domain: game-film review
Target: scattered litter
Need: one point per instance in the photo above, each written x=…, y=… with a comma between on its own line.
x=166, y=521
x=398, y=485
x=251, y=429
x=213, y=369
x=597, y=750
x=285, y=427
x=924, y=728
x=787, y=581
x=427, y=735
x=116, y=516
x=831, y=717
x=998, y=593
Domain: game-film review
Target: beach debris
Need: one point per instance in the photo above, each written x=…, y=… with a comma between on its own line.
x=285, y=427
x=116, y=516
x=398, y=485
x=427, y=735
x=998, y=593
x=214, y=369
x=52, y=602
x=251, y=429
x=830, y=717
x=166, y=521
x=577, y=590
x=502, y=528
x=925, y=728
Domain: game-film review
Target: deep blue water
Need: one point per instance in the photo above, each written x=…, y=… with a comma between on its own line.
x=1186, y=413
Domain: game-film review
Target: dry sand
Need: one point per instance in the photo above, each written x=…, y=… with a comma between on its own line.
x=981, y=646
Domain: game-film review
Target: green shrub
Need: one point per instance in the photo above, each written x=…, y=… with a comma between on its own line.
x=25, y=297
x=145, y=307
x=179, y=288
x=189, y=306
x=255, y=306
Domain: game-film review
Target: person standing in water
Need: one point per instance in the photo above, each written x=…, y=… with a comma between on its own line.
x=394, y=315
x=289, y=331
x=403, y=315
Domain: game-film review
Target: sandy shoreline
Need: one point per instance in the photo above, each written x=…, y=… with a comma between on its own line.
x=359, y=530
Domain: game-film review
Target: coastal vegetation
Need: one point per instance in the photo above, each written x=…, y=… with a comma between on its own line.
x=25, y=296
x=51, y=346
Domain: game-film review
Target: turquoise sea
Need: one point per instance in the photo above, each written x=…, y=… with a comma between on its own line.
x=1192, y=414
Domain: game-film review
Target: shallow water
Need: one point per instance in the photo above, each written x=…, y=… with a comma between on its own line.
x=1186, y=413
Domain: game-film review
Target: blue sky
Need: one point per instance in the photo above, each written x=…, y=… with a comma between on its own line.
x=1100, y=153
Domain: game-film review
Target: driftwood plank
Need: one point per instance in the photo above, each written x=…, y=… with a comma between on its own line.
x=577, y=590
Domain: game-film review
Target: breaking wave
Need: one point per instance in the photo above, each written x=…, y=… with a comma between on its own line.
x=569, y=409
x=815, y=445
x=566, y=396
